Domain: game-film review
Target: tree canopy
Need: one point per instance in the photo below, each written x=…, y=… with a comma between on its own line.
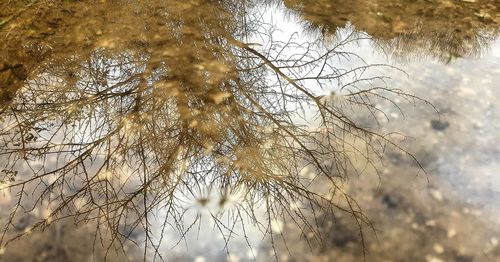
x=114, y=109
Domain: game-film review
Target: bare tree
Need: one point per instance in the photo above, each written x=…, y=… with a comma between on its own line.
x=130, y=108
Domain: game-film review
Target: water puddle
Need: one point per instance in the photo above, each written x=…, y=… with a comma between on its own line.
x=147, y=120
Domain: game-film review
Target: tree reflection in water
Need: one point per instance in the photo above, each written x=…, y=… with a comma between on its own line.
x=115, y=109
x=442, y=29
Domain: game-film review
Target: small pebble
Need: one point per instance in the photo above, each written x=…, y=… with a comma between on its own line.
x=437, y=195
x=451, y=232
x=476, y=212
x=494, y=241
x=439, y=125
x=233, y=257
x=433, y=259
x=438, y=248
x=430, y=223
x=251, y=253
x=199, y=259
x=478, y=124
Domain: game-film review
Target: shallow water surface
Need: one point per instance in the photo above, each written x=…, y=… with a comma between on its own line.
x=251, y=130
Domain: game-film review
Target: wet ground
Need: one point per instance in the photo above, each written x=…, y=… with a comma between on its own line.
x=450, y=212
x=443, y=208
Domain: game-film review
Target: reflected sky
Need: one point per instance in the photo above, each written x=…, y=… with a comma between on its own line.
x=188, y=103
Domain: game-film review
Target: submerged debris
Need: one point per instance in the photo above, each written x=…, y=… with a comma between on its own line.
x=439, y=125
